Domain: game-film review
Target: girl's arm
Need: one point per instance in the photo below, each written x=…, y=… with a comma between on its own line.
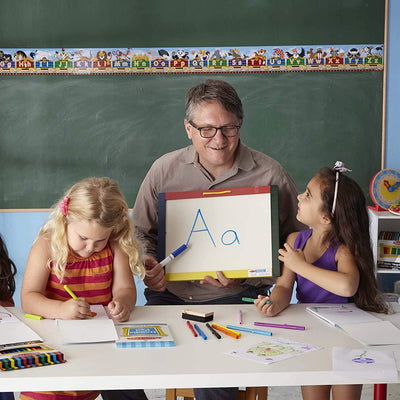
x=343, y=282
x=34, y=284
x=123, y=286
x=282, y=292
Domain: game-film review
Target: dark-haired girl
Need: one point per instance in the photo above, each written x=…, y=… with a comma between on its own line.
x=331, y=262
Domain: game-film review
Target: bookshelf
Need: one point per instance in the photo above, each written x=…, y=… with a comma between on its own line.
x=383, y=221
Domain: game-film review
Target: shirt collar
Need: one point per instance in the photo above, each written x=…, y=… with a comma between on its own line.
x=244, y=159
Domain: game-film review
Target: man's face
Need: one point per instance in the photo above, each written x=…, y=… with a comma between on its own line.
x=216, y=154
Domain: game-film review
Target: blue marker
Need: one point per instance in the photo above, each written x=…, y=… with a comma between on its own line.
x=241, y=328
x=173, y=255
x=201, y=333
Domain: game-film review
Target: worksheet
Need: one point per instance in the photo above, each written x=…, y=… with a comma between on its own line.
x=361, y=363
x=273, y=350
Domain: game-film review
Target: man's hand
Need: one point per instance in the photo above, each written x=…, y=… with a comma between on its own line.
x=221, y=282
x=154, y=279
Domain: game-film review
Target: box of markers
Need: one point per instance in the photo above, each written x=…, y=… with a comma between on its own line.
x=28, y=355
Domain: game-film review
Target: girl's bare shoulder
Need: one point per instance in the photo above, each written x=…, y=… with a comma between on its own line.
x=291, y=238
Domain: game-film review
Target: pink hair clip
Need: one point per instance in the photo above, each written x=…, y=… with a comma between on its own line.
x=63, y=205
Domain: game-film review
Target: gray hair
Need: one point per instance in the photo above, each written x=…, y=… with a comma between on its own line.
x=213, y=90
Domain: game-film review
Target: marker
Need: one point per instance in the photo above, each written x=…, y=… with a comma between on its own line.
x=33, y=316
x=240, y=317
x=72, y=294
x=268, y=295
x=241, y=328
x=201, y=333
x=248, y=299
x=213, y=331
x=173, y=255
x=283, y=326
x=227, y=331
x=191, y=328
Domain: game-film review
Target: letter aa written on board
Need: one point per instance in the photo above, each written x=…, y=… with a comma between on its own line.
x=228, y=238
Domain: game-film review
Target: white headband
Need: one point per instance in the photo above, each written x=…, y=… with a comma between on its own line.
x=339, y=167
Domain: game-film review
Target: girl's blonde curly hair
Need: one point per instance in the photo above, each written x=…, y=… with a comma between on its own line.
x=92, y=199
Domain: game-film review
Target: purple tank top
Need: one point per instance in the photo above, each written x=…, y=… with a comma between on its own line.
x=309, y=292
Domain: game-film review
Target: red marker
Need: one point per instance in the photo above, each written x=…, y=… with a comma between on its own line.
x=191, y=328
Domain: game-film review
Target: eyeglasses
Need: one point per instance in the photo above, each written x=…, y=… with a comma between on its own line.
x=208, y=132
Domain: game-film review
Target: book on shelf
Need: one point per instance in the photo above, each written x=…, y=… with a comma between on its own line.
x=388, y=250
x=359, y=324
x=144, y=335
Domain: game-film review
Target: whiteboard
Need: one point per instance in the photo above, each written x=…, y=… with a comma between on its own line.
x=232, y=230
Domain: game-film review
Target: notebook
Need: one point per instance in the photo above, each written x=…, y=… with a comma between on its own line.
x=92, y=330
x=360, y=325
x=339, y=314
x=144, y=335
x=14, y=331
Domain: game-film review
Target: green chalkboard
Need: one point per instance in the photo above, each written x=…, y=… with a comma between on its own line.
x=55, y=130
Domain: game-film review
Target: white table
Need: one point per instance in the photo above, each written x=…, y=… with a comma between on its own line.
x=194, y=362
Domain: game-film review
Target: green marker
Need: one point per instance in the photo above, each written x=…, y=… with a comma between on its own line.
x=248, y=299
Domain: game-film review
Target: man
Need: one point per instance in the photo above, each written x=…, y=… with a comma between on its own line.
x=216, y=160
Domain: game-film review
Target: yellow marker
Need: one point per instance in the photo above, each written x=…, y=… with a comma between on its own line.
x=71, y=293
x=33, y=316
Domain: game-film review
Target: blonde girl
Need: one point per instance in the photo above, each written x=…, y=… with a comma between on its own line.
x=88, y=244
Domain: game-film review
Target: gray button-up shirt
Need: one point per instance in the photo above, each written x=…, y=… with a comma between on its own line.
x=180, y=170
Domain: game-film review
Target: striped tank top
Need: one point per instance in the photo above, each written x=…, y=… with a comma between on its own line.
x=91, y=279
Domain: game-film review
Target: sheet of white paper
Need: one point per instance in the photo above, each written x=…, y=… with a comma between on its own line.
x=6, y=316
x=374, y=333
x=100, y=311
x=370, y=364
x=12, y=330
x=273, y=350
x=92, y=330
x=342, y=314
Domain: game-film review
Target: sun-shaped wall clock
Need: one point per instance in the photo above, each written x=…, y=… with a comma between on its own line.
x=385, y=188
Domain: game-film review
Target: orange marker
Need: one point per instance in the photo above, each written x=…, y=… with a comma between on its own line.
x=227, y=331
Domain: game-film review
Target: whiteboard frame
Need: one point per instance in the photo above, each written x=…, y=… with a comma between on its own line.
x=169, y=200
